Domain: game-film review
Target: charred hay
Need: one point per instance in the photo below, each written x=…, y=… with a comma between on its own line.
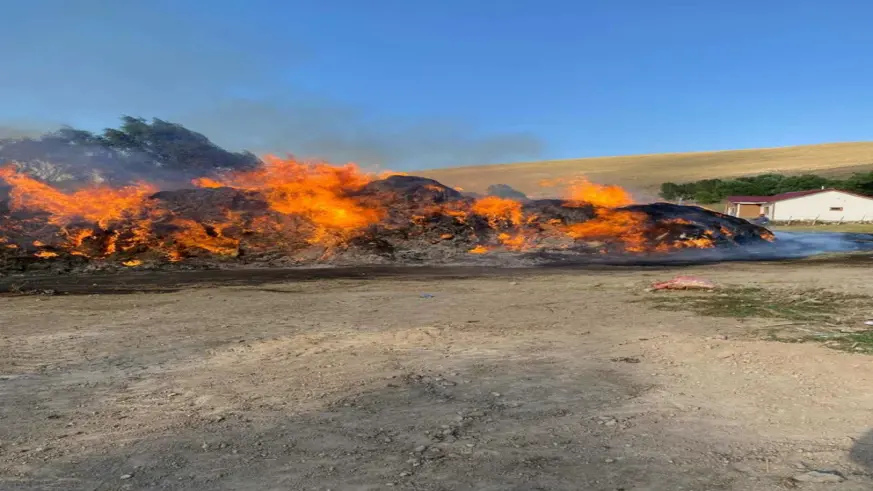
x=424, y=222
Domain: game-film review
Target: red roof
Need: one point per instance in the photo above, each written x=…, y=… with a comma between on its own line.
x=778, y=197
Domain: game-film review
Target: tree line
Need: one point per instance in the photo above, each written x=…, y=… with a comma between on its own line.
x=136, y=149
x=709, y=191
x=157, y=151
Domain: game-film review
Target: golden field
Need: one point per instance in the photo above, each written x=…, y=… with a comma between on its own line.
x=643, y=174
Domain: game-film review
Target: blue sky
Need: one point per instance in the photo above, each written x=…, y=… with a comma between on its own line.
x=412, y=84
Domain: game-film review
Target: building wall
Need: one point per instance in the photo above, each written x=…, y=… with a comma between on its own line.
x=831, y=206
x=748, y=210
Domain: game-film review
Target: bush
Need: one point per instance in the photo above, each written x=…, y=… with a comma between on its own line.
x=708, y=191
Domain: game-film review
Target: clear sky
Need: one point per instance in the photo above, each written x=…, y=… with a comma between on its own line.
x=423, y=83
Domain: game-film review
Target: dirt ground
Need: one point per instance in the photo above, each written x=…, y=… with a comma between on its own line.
x=424, y=380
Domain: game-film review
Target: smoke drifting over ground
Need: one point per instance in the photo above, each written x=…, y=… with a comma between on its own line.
x=786, y=246
x=794, y=244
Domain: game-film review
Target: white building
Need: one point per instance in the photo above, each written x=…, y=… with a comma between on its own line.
x=823, y=205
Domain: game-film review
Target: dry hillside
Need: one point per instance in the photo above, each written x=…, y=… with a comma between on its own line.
x=644, y=173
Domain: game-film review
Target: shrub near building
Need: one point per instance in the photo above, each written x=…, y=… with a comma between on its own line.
x=709, y=191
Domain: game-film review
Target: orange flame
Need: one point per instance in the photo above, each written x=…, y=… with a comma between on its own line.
x=209, y=237
x=499, y=211
x=517, y=242
x=312, y=203
x=100, y=205
x=582, y=191
x=626, y=226
x=316, y=191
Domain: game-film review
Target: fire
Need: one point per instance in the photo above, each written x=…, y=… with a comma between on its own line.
x=314, y=204
x=206, y=236
x=206, y=182
x=100, y=205
x=626, y=226
x=518, y=242
x=387, y=174
x=499, y=210
x=582, y=191
x=698, y=243
x=317, y=191
x=609, y=223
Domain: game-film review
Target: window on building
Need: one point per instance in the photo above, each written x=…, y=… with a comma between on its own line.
x=836, y=208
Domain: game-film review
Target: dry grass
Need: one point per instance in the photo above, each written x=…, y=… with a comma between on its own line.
x=813, y=315
x=739, y=303
x=642, y=174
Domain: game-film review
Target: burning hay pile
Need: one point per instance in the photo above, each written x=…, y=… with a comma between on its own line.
x=292, y=213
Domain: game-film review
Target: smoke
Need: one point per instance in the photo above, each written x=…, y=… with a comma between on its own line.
x=341, y=133
x=64, y=162
x=15, y=129
x=810, y=244
x=787, y=246
x=90, y=61
x=93, y=60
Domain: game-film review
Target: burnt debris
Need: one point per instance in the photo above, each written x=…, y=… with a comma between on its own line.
x=408, y=220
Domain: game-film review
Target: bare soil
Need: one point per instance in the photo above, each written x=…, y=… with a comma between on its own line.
x=424, y=379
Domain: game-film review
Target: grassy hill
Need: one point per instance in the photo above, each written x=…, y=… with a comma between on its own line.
x=642, y=174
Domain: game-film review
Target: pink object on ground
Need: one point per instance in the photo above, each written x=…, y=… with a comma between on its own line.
x=684, y=283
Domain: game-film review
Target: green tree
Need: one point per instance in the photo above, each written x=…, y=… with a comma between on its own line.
x=860, y=182
x=137, y=149
x=173, y=147
x=707, y=197
x=802, y=183
x=671, y=191
x=709, y=191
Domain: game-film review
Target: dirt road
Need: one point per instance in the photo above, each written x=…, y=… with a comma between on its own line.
x=520, y=380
